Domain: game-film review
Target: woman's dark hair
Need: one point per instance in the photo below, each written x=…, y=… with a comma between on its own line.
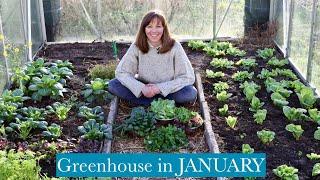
x=142, y=39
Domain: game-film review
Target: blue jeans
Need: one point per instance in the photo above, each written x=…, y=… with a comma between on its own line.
x=184, y=95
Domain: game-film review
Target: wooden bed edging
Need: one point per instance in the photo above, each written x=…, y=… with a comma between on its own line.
x=208, y=132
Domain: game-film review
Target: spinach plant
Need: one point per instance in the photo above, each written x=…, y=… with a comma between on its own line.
x=92, y=130
x=91, y=113
x=32, y=114
x=15, y=96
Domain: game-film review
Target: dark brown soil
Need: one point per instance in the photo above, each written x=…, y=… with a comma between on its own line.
x=284, y=149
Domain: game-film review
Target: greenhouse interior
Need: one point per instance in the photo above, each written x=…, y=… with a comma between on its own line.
x=256, y=83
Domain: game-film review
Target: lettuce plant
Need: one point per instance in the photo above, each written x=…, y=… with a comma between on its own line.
x=163, y=109
x=246, y=149
x=92, y=130
x=286, y=172
x=314, y=115
x=313, y=156
x=91, y=113
x=53, y=131
x=96, y=91
x=297, y=85
x=265, y=53
x=23, y=128
x=211, y=74
x=166, y=139
x=286, y=73
x=19, y=165
x=221, y=63
x=140, y=122
x=306, y=97
x=183, y=114
x=15, y=96
x=241, y=76
x=247, y=63
x=223, y=96
x=231, y=121
x=19, y=78
x=293, y=114
x=316, y=169
x=224, y=110
x=317, y=134
x=233, y=51
x=219, y=87
x=213, y=52
x=265, y=74
x=249, y=89
x=255, y=104
x=266, y=136
x=60, y=109
x=260, y=116
x=32, y=113
x=8, y=111
x=197, y=44
x=296, y=130
x=278, y=99
x=274, y=62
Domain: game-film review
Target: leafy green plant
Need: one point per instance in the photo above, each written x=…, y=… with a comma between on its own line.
x=306, y=97
x=297, y=85
x=246, y=149
x=265, y=73
x=277, y=63
x=60, y=109
x=296, y=130
x=163, y=109
x=286, y=172
x=92, y=130
x=32, y=114
x=91, y=113
x=223, y=96
x=260, y=116
x=53, y=131
x=280, y=87
x=183, y=114
x=278, y=99
x=313, y=156
x=286, y=73
x=23, y=128
x=60, y=64
x=293, y=114
x=8, y=111
x=314, y=115
x=249, y=89
x=247, y=63
x=103, y=71
x=213, y=52
x=233, y=51
x=265, y=53
x=166, y=139
x=221, y=63
x=317, y=134
x=96, y=91
x=19, y=165
x=140, y=122
x=48, y=85
x=241, y=76
x=255, y=104
x=316, y=169
x=231, y=121
x=19, y=78
x=15, y=96
x=224, y=110
x=266, y=136
x=197, y=44
x=62, y=72
x=211, y=74
x=220, y=86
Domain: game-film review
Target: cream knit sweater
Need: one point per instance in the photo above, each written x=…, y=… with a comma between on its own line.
x=170, y=71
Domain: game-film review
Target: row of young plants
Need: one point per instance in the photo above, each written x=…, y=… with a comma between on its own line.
x=26, y=126
x=279, y=94
x=162, y=126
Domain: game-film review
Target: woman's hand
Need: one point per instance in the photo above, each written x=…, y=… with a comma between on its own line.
x=150, y=90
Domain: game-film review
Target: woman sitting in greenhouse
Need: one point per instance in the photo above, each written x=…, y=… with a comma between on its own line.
x=155, y=66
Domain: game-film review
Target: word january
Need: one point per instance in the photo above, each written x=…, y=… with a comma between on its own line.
x=219, y=165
